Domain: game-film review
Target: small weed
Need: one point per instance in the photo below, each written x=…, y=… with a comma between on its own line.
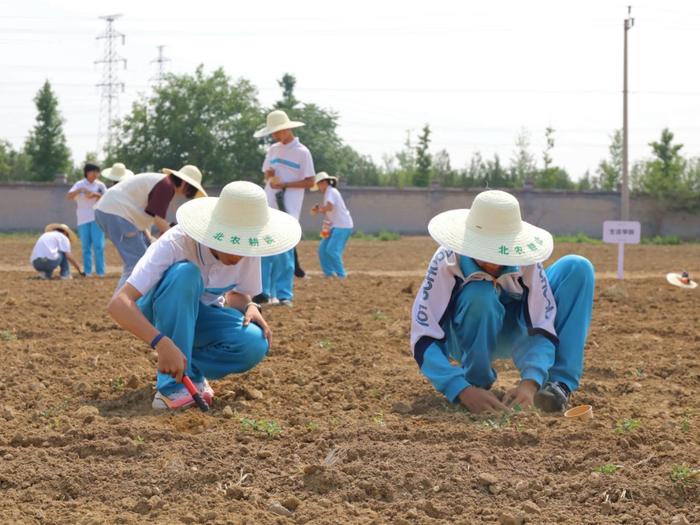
x=117, y=384
x=502, y=421
x=378, y=419
x=139, y=439
x=683, y=475
x=271, y=428
x=378, y=315
x=312, y=426
x=685, y=424
x=608, y=468
x=637, y=372
x=627, y=425
x=325, y=344
x=53, y=411
x=6, y=335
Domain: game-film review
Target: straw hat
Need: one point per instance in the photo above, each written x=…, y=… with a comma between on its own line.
x=191, y=175
x=492, y=231
x=681, y=280
x=239, y=222
x=117, y=172
x=322, y=175
x=277, y=121
x=57, y=226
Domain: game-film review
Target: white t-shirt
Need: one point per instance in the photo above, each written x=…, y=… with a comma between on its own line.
x=50, y=245
x=292, y=163
x=339, y=216
x=85, y=210
x=174, y=246
x=129, y=199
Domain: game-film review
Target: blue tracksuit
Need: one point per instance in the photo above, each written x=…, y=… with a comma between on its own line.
x=330, y=252
x=538, y=317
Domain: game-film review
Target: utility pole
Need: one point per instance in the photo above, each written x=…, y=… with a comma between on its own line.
x=625, y=190
x=161, y=60
x=110, y=85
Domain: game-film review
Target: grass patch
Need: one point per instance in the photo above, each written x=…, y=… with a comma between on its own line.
x=579, y=238
x=662, y=240
x=271, y=428
x=378, y=419
x=627, y=425
x=383, y=235
x=608, y=468
x=312, y=426
x=117, y=384
x=6, y=335
x=683, y=475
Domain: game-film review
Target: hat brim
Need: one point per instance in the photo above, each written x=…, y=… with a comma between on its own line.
x=269, y=131
x=530, y=245
x=279, y=234
x=57, y=226
x=675, y=280
x=107, y=174
x=315, y=186
x=189, y=180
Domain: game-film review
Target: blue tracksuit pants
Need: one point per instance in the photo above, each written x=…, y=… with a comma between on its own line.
x=92, y=238
x=278, y=275
x=330, y=252
x=482, y=324
x=213, y=339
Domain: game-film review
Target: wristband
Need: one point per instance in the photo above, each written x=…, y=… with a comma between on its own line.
x=253, y=304
x=157, y=339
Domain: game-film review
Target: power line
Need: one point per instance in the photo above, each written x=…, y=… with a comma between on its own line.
x=110, y=85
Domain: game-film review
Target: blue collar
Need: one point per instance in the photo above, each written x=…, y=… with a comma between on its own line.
x=469, y=267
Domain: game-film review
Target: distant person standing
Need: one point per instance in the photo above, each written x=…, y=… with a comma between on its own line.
x=86, y=192
x=289, y=170
x=116, y=173
x=128, y=210
x=53, y=250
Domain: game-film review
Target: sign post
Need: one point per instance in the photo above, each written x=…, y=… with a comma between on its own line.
x=621, y=233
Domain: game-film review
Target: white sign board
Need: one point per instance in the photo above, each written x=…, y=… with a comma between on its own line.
x=627, y=232
x=621, y=233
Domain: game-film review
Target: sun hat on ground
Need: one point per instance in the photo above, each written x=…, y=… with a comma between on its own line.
x=277, y=121
x=54, y=226
x=117, y=172
x=239, y=222
x=492, y=231
x=681, y=280
x=322, y=175
x=191, y=175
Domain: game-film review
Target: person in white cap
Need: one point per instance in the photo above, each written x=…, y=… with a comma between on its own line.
x=128, y=210
x=86, y=192
x=190, y=295
x=116, y=173
x=53, y=250
x=289, y=170
x=340, y=224
x=486, y=295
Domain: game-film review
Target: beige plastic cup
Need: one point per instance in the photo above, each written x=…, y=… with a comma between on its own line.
x=581, y=413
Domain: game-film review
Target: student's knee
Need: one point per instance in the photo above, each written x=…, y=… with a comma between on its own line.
x=478, y=299
x=256, y=347
x=579, y=269
x=186, y=278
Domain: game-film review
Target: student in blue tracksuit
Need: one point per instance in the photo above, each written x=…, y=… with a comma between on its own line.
x=486, y=295
x=339, y=222
x=189, y=296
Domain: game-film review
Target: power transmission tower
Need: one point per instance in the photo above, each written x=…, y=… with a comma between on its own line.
x=625, y=190
x=110, y=86
x=161, y=60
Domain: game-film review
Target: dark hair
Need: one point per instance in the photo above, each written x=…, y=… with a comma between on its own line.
x=90, y=167
x=332, y=182
x=190, y=191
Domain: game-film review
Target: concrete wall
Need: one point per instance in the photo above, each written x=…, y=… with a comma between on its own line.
x=30, y=206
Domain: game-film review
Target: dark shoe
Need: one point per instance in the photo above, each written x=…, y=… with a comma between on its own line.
x=553, y=397
x=261, y=299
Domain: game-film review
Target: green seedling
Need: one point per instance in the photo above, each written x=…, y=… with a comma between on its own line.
x=627, y=425
x=271, y=428
x=378, y=419
x=379, y=315
x=608, y=468
x=312, y=426
x=139, y=440
x=325, y=344
x=117, y=383
x=683, y=475
x=6, y=335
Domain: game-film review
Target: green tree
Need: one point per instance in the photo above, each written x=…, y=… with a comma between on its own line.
x=587, y=182
x=203, y=119
x=475, y=174
x=495, y=175
x=610, y=169
x=442, y=169
x=550, y=176
x=46, y=146
x=549, y=146
x=423, y=159
x=522, y=163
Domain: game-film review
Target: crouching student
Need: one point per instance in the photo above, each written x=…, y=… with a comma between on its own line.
x=53, y=250
x=486, y=295
x=189, y=296
x=338, y=225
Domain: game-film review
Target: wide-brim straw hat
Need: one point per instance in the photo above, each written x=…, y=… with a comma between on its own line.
x=117, y=172
x=322, y=175
x=191, y=175
x=277, y=121
x=492, y=230
x=239, y=222
x=676, y=280
x=58, y=226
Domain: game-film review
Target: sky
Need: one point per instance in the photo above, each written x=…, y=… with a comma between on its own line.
x=478, y=72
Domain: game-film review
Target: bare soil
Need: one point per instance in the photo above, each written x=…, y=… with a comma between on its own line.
x=337, y=425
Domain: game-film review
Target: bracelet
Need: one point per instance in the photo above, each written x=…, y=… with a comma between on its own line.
x=157, y=339
x=251, y=303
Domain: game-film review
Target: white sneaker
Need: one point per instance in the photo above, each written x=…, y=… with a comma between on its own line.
x=274, y=300
x=66, y=277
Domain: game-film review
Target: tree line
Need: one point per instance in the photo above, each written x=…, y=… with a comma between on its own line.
x=208, y=119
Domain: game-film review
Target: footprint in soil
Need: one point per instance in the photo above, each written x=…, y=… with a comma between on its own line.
x=130, y=403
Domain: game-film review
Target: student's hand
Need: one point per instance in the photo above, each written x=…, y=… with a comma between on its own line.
x=252, y=314
x=478, y=400
x=277, y=185
x=523, y=394
x=171, y=360
x=269, y=173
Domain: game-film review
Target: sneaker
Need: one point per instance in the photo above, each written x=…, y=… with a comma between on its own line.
x=182, y=399
x=553, y=397
x=261, y=299
x=286, y=302
x=274, y=301
x=66, y=277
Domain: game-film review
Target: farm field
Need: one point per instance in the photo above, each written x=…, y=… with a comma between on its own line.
x=337, y=425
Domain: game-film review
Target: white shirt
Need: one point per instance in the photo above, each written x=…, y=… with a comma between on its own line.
x=85, y=210
x=339, y=216
x=292, y=163
x=129, y=199
x=50, y=245
x=174, y=246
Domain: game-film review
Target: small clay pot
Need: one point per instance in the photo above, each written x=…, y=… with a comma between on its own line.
x=580, y=413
